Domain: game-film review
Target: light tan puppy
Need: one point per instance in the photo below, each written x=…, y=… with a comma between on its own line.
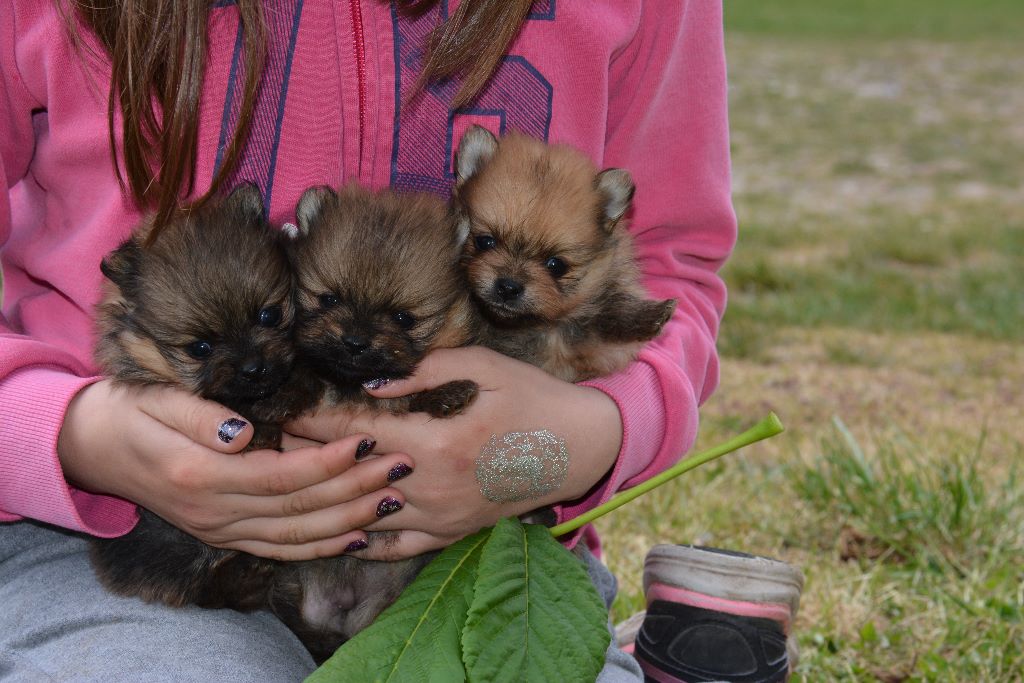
x=548, y=257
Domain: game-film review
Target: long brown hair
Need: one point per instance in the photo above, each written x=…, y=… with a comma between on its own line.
x=157, y=50
x=471, y=43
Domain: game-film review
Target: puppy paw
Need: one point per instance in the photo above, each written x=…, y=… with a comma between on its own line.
x=447, y=400
x=661, y=313
x=649, y=317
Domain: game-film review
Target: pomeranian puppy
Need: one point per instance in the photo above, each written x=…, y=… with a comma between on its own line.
x=206, y=306
x=548, y=257
x=378, y=287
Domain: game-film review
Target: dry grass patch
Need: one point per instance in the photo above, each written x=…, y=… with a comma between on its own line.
x=947, y=386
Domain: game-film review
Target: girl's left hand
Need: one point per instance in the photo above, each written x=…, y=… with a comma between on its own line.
x=443, y=499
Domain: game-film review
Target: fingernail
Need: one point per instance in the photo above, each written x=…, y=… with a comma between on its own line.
x=364, y=447
x=230, y=428
x=376, y=383
x=387, y=506
x=398, y=471
x=357, y=545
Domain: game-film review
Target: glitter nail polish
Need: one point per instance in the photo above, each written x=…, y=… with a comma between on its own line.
x=398, y=471
x=356, y=545
x=230, y=428
x=376, y=383
x=364, y=447
x=388, y=506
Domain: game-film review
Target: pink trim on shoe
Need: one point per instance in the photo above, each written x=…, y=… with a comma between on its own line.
x=657, y=674
x=766, y=610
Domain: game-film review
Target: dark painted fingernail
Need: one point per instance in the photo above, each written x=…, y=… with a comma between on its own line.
x=230, y=428
x=376, y=383
x=387, y=506
x=357, y=545
x=364, y=447
x=398, y=471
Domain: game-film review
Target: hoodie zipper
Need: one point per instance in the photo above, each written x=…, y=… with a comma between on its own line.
x=360, y=55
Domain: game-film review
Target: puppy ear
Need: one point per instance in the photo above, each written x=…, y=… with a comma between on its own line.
x=476, y=148
x=121, y=266
x=460, y=221
x=310, y=208
x=616, y=189
x=248, y=199
x=291, y=231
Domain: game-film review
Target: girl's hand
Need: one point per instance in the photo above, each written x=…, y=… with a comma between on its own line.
x=178, y=456
x=444, y=500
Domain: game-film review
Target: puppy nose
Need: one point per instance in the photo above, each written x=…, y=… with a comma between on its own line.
x=508, y=289
x=254, y=369
x=355, y=344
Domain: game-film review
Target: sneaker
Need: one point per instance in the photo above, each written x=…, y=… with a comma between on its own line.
x=715, y=615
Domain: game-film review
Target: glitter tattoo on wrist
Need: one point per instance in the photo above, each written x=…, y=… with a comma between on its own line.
x=521, y=466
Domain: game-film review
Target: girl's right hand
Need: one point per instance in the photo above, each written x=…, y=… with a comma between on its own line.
x=167, y=450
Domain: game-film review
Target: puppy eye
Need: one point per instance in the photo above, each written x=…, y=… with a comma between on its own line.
x=556, y=266
x=270, y=316
x=329, y=300
x=199, y=349
x=484, y=242
x=405, y=320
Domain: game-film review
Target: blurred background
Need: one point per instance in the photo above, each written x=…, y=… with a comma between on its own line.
x=877, y=305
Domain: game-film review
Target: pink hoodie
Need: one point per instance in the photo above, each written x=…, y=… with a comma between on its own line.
x=637, y=84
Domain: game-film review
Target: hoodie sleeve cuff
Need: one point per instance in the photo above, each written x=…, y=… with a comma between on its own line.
x=637, y=393
x=33, y=402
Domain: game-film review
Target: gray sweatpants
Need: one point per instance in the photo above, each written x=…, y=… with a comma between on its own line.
x=58, y=624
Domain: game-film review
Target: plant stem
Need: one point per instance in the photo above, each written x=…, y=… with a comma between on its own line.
x=768, y=427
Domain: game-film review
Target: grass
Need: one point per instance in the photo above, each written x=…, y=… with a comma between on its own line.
x=877, y=305
x=937, y=544
x=880, y=19
x=913, y=565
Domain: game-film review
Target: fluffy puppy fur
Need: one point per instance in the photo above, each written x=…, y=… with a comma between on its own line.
x=207, y=306
x=379, y=286
x=326, y=602
x=548, y=257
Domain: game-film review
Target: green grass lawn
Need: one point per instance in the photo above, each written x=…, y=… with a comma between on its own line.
x=877, y=305
x=885, y=19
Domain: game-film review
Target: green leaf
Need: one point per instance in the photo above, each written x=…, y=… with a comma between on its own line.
x=418, y=637
x=535, y=614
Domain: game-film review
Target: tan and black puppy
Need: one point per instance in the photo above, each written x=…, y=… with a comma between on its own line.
x=206, y=306
x=379, y=286
x=548, y=257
